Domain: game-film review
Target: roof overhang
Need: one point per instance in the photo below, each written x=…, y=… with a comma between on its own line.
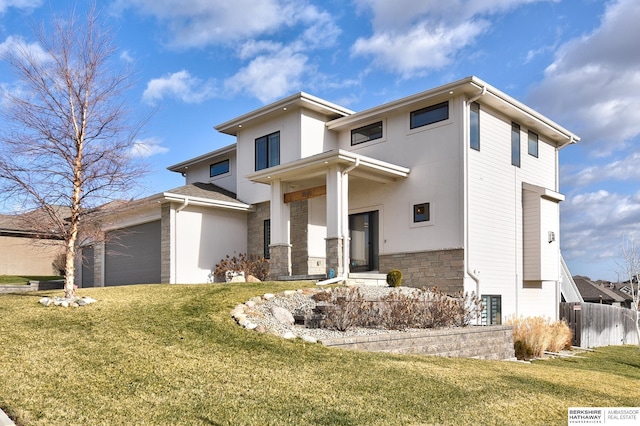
x=299, y=100
x=188, y=200
x=184, y=165
x=472, y=88
x=317, y=165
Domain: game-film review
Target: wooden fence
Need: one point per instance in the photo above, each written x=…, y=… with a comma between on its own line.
x=596, y=324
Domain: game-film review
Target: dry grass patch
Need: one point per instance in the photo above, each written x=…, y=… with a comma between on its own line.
x=161, y=354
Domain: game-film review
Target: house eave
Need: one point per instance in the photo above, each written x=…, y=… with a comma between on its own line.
x=182, y=166
x=367, y=167
x=298, y=100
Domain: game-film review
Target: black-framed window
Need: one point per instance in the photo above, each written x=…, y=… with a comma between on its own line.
x=533, y=144
x=515, y=144
x=492, y=312
x=421, y=213
x=474, y=126
x=429, y=115
x=219, y=168
x=366, y=133
x=268, y=151
x=267, y=238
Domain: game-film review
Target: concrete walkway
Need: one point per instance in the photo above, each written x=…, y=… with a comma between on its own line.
x=5, y=420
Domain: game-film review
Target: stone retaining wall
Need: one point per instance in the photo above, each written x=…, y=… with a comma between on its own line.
x=491, y=342
x=32, y=286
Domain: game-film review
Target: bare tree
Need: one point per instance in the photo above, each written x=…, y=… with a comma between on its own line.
x=632, y=271
x=69, y=134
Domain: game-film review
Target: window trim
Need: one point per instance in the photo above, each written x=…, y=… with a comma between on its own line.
x=211, y=166
x=428, y=109
x=269, y=161
x=486, y=317
x=377, y=123
x=412, y=214
x=536, y=144
x=474, y=110
x=515, y=144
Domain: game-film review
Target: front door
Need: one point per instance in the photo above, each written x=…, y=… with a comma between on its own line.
x=363, y=246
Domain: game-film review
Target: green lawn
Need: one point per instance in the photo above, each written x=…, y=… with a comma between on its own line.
x=18, y=280
x=159, y=355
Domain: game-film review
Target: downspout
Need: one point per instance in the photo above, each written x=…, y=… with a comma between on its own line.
x=345, y=229
x=183, y=206
x=471, y=273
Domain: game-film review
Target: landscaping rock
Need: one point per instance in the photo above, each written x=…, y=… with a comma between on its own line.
x=289, y=292
x=289, y=335
x=282, y=315
x=309, y=339
x=250, y=304
x=46, y=301
x=238, y=279
x=252, y=279
x=261, y=329
x=268, y=296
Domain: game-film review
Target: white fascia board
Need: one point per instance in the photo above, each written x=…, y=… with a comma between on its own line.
x=320, y=161
x=206, y=202
x=300, y=99
x=210, y=155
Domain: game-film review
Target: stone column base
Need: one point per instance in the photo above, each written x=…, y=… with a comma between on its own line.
x=334, y=257
x=280, y=261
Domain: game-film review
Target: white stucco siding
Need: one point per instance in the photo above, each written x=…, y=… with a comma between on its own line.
x=204, y=237
x=315, y=137
x=201, y=173
x=433, y=155
x=317, y=227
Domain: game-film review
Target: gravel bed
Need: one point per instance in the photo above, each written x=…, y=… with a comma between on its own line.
x=301, y=301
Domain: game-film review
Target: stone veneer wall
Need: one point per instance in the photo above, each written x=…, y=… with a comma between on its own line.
x=491, y=342
x=165, y=243
x=441, y=268
x=299, y=247
x=255, y=228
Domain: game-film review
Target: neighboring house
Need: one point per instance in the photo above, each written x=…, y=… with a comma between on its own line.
x=603, y=292
x=457, y=187
x=26, y=247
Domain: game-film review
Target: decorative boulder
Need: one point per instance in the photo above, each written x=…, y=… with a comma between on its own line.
x=282, y=315
x=252, y=279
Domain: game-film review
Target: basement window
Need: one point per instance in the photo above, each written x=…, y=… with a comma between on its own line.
x=492, y=311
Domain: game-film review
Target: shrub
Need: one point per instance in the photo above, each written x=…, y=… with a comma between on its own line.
x=251, y=265
x=399, y=310
x=394, y=278
x=539, y=335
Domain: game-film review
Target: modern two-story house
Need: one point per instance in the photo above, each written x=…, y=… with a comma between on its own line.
x=457, y=187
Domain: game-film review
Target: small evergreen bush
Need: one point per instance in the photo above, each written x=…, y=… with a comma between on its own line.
x=394, y=278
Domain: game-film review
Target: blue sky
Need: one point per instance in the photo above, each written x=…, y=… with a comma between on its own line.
x=203, y=62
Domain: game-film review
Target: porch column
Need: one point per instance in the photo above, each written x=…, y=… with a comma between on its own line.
x=280, y=247
x=337, y=222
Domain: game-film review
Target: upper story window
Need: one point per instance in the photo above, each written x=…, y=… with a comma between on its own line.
x=366, y=133
x=515, y=144
x=218, y=169
x=429, y=115
x=421, y=213
x=474, y=126
x=533, y=144
x=268, y=151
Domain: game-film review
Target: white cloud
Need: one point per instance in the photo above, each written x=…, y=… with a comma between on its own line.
x=17, y=46
x=19, y=4
x=148, y=147
x=179, y=85
x=126, y=57
x=411, y=38
x=270, y=77
x=593, y=84
x=197, y=23
x=625, y=169
x=594, y=225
